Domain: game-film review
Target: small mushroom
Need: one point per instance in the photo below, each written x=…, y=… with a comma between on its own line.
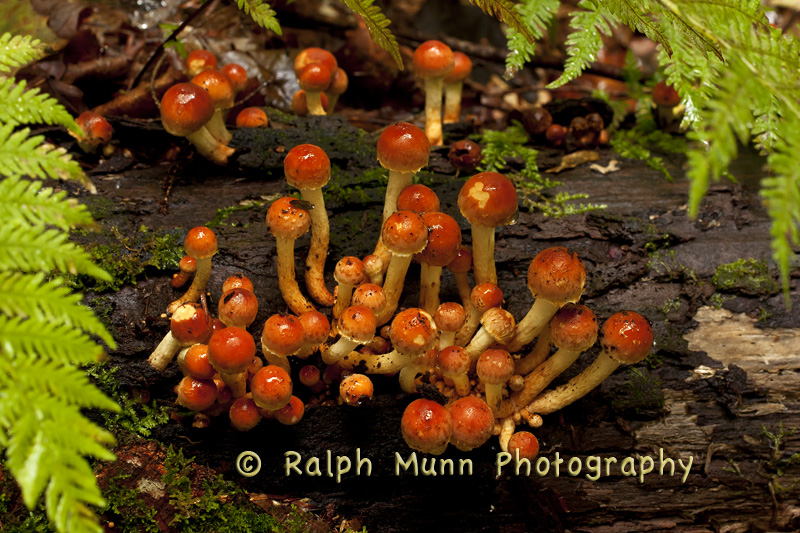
x=291, y=413
x=494, y=368
x=449, y=318
x=316, y=328
x=281, y=337
x=483, y=297
x=356, y=326
x=187, y=266
x=426, y=426
x=238, y=307
x=231, y=351
x=196, y=394
x=199, y=60
x=433, y=61
x=271, y=388
x=356, y=389
x=201, y=244
x=349, y=273
x=444, y=241
x=244, y=414
x=417, y=198
x=219, y=88
x=337, y=88
x=287, y=221
x=454, y=363
x=497, y=325
x=252, y=117
x=314, y=79
x=473, y=423
x=188, y=325
x=96, y=131
x=453, y=83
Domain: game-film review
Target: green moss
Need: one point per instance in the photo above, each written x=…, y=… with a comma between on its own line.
x=670, y=306
x=745, y=276
x=717, y=300
x=223, y=214
x=664, y=263
x=642, y=392
x=126, y=503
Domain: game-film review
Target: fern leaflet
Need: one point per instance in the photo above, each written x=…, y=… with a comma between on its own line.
x=40, y=205
x=17, y=51
x=583, y=43
x=261, y=13
x=21, y=106
x=378, y=26
x=504, y=11
x=536, y=15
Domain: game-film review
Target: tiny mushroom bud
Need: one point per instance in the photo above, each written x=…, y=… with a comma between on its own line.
x=252, y=117
x=281, y=337
x=426, y=426
x=237, y=281
x=433, y=61
x=465, y=155
x=444, y=242
x=237, y=76
x=349, y=273
x=453, y=83
x=287, y=221
x=189, y=325
x=337, y=88
x=573, y=330
x=483, y=297
x=188, y=266
x=370, y=296
x=556, y=134
x=198, y=61
x=244, y=414
x=454, y=364
x=291, y=413
x=537, y=120
x=96, y=131
x=196, y=364
x=555, y=277
x=494, y=368
x=373, y=267
x=487, y=200
x=308, y=168
x=219, y=88
x=310, y=376
x=313, y=79
x=356, y=326
x=497, y=325
x=200, y=244
x=238, y=307
x=417, y=198
x=666, y=100
x=523, y=445
x=473, y=423
x=231, y=351
x=196, y=394
x=316, y=328
x=356, y=389
x=626, y=338
x=271, y=388
x=449, y=318
x=185, y=111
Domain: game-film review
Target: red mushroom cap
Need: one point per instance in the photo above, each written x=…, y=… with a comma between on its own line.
x=307, y=166
x=309, y=375
x=462, y=68
x=338, y=83
x=188, y=264
x=473, y=423
x=665, y=94
x=426, y=426
x=557, y=275
x=450, y=316
x=200, y=243
x=231, y=350
x=574, y=327
x=185, y=108
x=316, y=327
x=314, y=55
x=462, y=263
x=555, y=134
x=627, y=337
x=285, y=218
x=405, y=233
x=196, y=394
x=488, y=199
x=454, y=360
x=237, y=281
x=444, y=239
x=197, y=363
x=495, y=366
x=199, y=60
x=370, y=296
x=190, y=324
x=237, y=74
x=291, y=413
x=283, y=334
x=271, y=387
x=252, y=117
x=238, y=307
x=218, y=86
x=356, y=389
x=315, y=77
x=357, y=324
x=527, y=444
x=433, y=59
x=403, y=147
x=349, y=270
x=485, y=296
x=413, y=331
x=95, y=127
x=244, y=414
x=417, y=198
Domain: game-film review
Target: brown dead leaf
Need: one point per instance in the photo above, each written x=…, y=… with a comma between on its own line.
x=574, y=159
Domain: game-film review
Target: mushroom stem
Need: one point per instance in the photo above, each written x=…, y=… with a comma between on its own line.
x=479, y=344
x=532, y=324
x=286, y=279
x=507, y=426
x=216, y=127
x=536, y=357
x=393, y=285
x=473, y=319
x=576, y=388
x=385, y=363
x=237, y=383
x=397, y=182
x=318, y=249
x=164, y=352
x=338, y=350
x=544, y=374
x=209, y=147
x=430, y=281
x=446, y=339
x=314, y=102
x=197, y=287
x=452, y=102
x=417, y=365
x=433, y=110
x=274, y=359
x=494, y=395
x=344, y=294
x=483, y=254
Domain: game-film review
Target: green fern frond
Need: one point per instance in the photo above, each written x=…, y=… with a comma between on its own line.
x=504, y=11
x=21, y=155
x=21, y=106
x=378, y=26
x=29, y=248
x=40, y=205
x=26, y=295
x=34, y=337
x=17, y=51
x=584, y=42
x=536, y=15
x=261, y=13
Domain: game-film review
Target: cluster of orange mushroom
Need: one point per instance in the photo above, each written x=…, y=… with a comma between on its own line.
x=493, y=369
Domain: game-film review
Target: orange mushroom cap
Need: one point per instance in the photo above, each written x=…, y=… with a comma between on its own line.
x=462, y=68
x=405, y=233
x=218, y=86
x=557, y=275
x=485, y=296
x=190, y=324
x=462, y=263
x=282, y=334
x=473, y=423
x=185, y=108
x=314, y=55
x=285, y=218
x=417, y=198
x=450, y=316
x=200, y=60
x=357, y=323
x=426, y=426
x=574, y=327
x=237, y=74
x=495, y=366
x=488, y=199
x=244, y=414
x=403, y=147
x=413, y=331
x=315, y=77
x=433, y=59
x=200, y=243
x=316, y=327
x=251, y=117
x=238, y=307
x=444, y=239
x=271, y=387
x=196, y=394
x=627, y=337
x=231, y=350
x=307, y=166
x=527, y=444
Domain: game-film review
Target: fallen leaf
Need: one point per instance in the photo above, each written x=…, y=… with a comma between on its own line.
x=611, y=167
x=574, y=159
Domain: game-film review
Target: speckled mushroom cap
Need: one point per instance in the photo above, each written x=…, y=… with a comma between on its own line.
x=200, y=243
x=450, y=316
x=574, y=327
x=413, y=331
x=405, y=233
x=285, y=218
x=527, y=444
x=271, y=387
x=417, y=198
x=403, y=147
x=426, y=426
x=231, y=350
x=453, y=360
x=462, y=68
x=218, y=86
x=433, y=59
x=499, y=323
x=315, y=77
x=484, y=296
x=307, y=166
x=316, y=327
x=488, y=199
x=349, y=270
x=357, y=323
x=557, y=275
x=444, y=239
x=314, y=55
x=495, y=366
x=462, y=263
x=189, y=324
x=238, y=307
x=282, y=334
x=185, y=108
x=627, y=337
x=370, y=296
x=473, y=423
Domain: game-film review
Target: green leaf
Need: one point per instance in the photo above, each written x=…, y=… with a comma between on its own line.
x=378, y=26
x=32, y=338
x=21, y=155
x=21, y=106
x=261, y=13
x=17, y=51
